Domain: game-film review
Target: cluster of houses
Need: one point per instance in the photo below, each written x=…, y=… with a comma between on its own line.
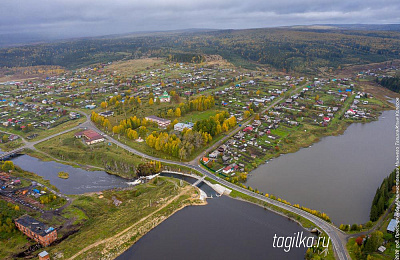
x=8, y=181
x=378, y=72
x=317, y=104
x=71, y=89
x=355, y=111
x=10, y=138
x=36, y=115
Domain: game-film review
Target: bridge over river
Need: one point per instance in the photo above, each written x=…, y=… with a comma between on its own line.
x=10, y=154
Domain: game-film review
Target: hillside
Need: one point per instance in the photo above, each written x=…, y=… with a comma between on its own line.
x=299, y=49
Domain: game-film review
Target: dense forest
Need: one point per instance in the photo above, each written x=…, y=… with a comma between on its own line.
x=392, y=83
x=382, y=195
x=283, y=48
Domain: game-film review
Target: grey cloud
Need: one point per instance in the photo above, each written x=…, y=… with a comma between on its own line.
x=98, y=17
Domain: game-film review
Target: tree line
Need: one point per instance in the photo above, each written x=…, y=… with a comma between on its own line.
x=392, y=83
x=381, y=199
x=8, y=212
x=284, y=48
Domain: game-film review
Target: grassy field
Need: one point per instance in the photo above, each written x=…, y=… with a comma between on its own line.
x=113, y=159
x=196, y=116
x=18, y=242
x=11, y=145
x=134, y=66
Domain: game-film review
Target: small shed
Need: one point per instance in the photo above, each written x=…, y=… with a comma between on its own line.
x=44, y=256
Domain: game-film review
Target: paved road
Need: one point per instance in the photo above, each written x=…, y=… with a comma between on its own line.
x=334, y=233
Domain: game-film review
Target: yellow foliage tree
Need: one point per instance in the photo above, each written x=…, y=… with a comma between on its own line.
x=178, y=112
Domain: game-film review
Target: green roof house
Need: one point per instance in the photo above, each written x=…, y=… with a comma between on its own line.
x=165, y=97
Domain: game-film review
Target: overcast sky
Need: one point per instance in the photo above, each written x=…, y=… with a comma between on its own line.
x=75, y=18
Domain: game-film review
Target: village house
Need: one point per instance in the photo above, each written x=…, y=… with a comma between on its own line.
x=36, y=230
x=90, y=136
x=106, y=113
x=161, y=122
x=214, y=154
x=74, y=115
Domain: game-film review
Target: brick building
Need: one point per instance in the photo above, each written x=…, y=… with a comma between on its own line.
x=36, y=230
x=161, y=122
x=90, y=136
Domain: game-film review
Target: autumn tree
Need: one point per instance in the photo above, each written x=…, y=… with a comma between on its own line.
x=177, y=112
x=8, y=166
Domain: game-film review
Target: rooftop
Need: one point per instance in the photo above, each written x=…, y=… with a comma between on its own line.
x=43, y=254
x=90, y=134
x=156, y=118
x=392, y=225
x=34, y=225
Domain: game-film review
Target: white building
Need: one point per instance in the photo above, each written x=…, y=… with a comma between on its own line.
x=180, y=126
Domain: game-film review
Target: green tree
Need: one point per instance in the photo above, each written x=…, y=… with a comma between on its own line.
x=7, y=166
x=374, y=241
x=374, y=213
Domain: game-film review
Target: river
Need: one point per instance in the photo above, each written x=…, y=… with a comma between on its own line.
x=223, y=229
x=79, y=181
x=338, y=175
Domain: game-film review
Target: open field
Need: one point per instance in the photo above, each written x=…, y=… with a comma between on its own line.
x=134, y=66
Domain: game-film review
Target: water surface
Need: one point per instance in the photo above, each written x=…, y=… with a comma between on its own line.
x=223, y=229
x=79, y=181
x=338, y=175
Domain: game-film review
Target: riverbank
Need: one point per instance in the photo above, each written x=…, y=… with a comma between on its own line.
x=108, y=157
x=338, y=173
x=305, y=223
x=114, y=218
x=111, y=229
x=11, y=145
x=308, y=134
